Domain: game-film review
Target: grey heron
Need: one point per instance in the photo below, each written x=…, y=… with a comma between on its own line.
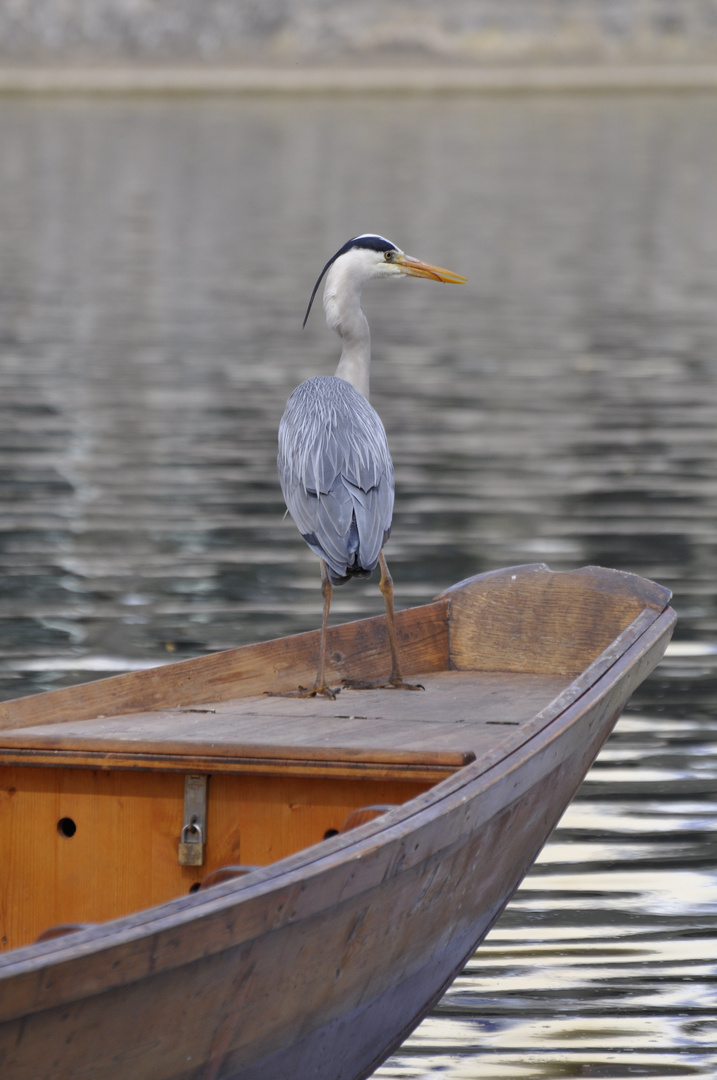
x=334, y=464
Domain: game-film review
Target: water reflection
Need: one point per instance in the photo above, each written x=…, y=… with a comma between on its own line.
x=157, y=260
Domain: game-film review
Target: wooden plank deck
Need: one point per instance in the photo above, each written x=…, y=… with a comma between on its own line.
x=458, y=717
x=284, y=774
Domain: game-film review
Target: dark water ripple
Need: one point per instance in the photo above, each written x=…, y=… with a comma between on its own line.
x=155, y=262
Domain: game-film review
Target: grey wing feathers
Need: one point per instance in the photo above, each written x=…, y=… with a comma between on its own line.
x=336, y=474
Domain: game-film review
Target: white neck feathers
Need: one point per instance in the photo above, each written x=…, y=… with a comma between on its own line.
x=342, y=307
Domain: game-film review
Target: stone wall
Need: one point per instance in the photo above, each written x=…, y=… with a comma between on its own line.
x=331, y=31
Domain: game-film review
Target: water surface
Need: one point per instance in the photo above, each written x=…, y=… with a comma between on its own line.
x=156, y=258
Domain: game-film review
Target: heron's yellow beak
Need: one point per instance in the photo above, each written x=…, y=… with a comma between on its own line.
x=416, y=268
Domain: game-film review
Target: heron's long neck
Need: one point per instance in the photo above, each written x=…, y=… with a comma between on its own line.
x=344, y=314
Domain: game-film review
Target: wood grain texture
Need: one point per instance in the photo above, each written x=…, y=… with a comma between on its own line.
x=532, y=619
x=527, y=619
x=456, y=717
x=396, y=903
x=355, y=650
x=122, y=857
x=366, y=927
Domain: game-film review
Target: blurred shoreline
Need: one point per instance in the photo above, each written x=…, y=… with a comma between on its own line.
x=357, y=78
x=298, y=46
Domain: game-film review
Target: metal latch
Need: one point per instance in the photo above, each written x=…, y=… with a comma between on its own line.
x=194, y=831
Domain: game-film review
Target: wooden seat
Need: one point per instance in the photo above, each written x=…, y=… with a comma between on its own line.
x=225, y=873
x=364, y=814
x=60, y=931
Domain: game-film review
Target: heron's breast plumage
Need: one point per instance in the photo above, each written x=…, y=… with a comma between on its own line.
x=336, y=474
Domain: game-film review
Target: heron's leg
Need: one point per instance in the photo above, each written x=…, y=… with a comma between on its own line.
x=319, y=686
x=395, y=679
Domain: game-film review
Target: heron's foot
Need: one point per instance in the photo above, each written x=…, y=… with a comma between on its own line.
x=317, y=690
x=393, y=682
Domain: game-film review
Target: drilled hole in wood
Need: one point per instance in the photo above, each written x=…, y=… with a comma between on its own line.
x=330, y=832
x=66, y=827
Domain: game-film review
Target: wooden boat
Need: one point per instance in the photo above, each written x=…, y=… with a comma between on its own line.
x=301, y=946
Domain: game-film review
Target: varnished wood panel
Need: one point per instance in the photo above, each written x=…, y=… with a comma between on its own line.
x=123, y=855
x=117, y=860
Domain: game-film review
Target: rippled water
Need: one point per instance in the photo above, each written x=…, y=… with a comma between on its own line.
x=156, y=258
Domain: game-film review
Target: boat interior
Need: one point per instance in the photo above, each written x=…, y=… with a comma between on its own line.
x=107, y=816
x=125, y=793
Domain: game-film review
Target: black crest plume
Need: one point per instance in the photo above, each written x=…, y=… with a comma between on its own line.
x=366, y=240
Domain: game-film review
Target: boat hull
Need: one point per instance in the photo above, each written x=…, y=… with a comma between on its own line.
x=323, y=964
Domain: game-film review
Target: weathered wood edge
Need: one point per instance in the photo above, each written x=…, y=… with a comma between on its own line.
x=619, y=582
x=533, y=619
x=356, y=649
x=418, y=769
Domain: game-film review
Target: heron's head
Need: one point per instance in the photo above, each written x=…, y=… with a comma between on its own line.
x=369, y=256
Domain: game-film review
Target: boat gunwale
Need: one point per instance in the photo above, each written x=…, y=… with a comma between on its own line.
x=643, y=636
x=223, y=666
x=218, y=670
